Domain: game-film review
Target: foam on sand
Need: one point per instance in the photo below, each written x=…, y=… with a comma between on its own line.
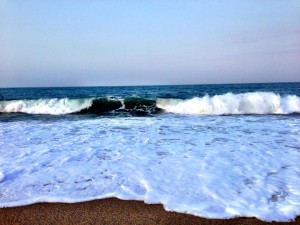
x=209, y=166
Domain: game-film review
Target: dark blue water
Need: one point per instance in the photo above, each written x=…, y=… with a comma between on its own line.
x=171, y=91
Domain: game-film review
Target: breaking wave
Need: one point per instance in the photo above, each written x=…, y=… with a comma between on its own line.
x=45, y=106
x=227, y=104
x=133, y=105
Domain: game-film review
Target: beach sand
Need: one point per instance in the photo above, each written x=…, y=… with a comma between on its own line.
x=108, y=211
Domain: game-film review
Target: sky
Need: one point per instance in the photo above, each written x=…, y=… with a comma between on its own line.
x=114, y=42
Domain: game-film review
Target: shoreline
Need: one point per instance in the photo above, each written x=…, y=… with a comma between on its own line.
x=111, y=211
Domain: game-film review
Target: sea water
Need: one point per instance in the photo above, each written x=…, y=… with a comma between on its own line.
x=215, y=151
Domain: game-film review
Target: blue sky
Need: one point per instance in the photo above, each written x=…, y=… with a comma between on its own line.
x=91, y=43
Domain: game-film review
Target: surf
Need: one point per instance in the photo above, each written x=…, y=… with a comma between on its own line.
x=263, y=103
x=233, y=104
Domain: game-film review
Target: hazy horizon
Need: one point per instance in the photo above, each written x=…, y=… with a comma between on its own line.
x=128, y=43
x=145, y=85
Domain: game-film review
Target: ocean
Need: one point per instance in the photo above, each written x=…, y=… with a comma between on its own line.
x=215, y=151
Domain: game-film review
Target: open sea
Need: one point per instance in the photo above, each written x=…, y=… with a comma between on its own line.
x=215, y=151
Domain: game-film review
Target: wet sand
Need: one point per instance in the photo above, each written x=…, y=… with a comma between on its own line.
x=110, y=211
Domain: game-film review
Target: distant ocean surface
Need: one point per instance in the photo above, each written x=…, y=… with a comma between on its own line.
x=215, y=151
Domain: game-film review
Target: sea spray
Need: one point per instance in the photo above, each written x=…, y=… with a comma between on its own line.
x=226, y=104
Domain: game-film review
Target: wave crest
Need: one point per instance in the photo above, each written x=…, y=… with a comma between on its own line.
x=227, y=104
x=45, y=106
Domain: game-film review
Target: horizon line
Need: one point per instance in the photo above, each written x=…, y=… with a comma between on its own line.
x=148, y=85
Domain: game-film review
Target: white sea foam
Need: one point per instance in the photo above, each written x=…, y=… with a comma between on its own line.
x=45, y=106
x=214, y=166
x=248, y=103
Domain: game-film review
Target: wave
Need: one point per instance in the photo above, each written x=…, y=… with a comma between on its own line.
x=232, y=104
x=45, y=106
x=227, y=104
x=133, y=105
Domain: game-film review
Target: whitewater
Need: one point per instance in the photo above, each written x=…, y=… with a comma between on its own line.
x=227, y=104
x=211, y=151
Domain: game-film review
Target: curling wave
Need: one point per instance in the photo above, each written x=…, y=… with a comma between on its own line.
x=133, y=105
x=227, y=104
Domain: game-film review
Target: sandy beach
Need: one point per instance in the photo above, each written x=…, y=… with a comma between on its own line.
x=109, y=211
